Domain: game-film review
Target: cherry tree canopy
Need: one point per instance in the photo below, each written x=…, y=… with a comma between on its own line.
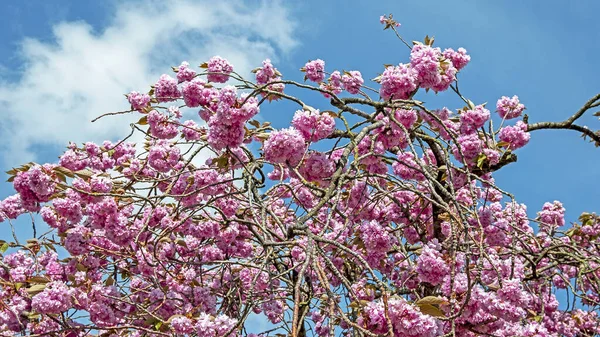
x=372, y=214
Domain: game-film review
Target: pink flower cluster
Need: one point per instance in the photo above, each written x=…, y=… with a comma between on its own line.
x=165, y=90
x=473, y=119
x=459, y=58
x=516, y=136
x=334, y=84
x=317, y=166
x=11, y=207
x=98, y=157
x=160, y=125
x=352, y=81
x=198, y=93
x=138, y=101
x=184, y=73
x=286, y=146
x=163, y=156
x=431, y=267
x=313, y=125
x=552, y=215
x=55, y=299
x=219, y=69
x=405, y=319
x=509, y=108
x=407, y=167
x=315, y=70
x=35, y=186
x=432, y=71
x=268, y=74
x=398, y=82
x=159, y=242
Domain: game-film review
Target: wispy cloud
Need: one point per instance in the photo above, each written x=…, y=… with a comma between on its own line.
x=84, y=73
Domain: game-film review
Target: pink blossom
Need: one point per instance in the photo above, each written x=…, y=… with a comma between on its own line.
x=165, y=90
x=137, y=100
x=407, y=167
x=160, y=126
x=447, y=76
x=352, y=81
x=182, y=325
x=191, y=130
x=333, y=84
x=470, y=146
x=432, y=73
x=317, y=166
x=10, y=208
x=425, y=60
x=163, y=156
x=184, y=73
x=516, y=136
x=219, y=68
x=315, y=70
x=471, y=120
x=222, y=135
x=398, y=82
x=552, y=215
x=509, y=108
x=55, y=299
x=265, y=74
x=431, y=267
x=195, y=93
x=285, y=146
x=313, y=125
x=458, y=58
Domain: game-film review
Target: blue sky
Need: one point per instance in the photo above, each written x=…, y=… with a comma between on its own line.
x=63, y=63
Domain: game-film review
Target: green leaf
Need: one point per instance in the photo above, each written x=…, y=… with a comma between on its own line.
x=330, y=113
x=61, y=177
x=4, y=246
x=429, y=40
x=480, y=160
x=80, y=267
x=503, y=144
x=471, y=104
x=85, y=173
x=431, y=300
x=431, y=310
x=64, y=171
x=36, y=289
x=222, y=162
x=38, y=279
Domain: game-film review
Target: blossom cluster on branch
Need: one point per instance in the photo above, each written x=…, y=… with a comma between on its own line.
x=371, y=215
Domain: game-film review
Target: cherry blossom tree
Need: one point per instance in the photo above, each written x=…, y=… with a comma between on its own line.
x=372, y=214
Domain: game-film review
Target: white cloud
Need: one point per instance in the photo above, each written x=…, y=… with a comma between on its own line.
x=83, y=74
